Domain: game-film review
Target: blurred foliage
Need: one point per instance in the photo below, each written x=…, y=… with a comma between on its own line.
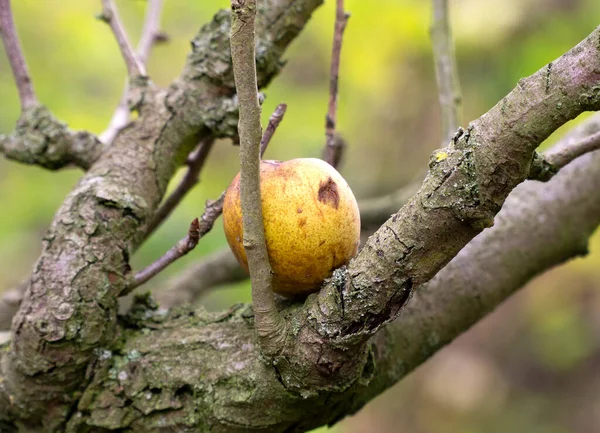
x=532, y=365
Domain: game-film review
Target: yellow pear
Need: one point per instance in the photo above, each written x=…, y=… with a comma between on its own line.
x=311, y=219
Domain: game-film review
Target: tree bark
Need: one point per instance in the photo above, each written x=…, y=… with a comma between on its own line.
x=73, y=365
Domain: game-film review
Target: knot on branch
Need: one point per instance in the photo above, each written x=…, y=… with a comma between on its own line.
x=40, y=139
x=541, y=169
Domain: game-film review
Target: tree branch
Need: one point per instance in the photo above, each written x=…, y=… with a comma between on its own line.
x=135, y=67
x=467, y=184
x=16, y=58
x=40, y=139
x=150, y=31
x=195, y=163
x=274, y=122
x=219, y=349
x=196, y=231
x=334, y=145
x=445, y=69
x=216, y=269
x=547, y=165
x=68, y=315
x=195, y=281
x=150, y=35
x=70, y=305
x=270, y=326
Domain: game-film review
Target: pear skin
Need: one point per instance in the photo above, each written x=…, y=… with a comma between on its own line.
x=311, y=220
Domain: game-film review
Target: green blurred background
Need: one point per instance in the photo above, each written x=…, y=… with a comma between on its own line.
x=532, y=366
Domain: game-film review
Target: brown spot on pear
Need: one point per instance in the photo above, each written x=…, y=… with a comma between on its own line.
x=328, y=193
x=310, y=216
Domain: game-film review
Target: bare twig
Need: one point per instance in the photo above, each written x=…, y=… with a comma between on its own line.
x=150, y=31
x=150, y=35
x=217, y=269
x=334, y=144
x=545, y=166
x=195, y=163
x=15, y=57
x=196, y=231
x=269, y=324
x=135, y=67
x=274, y=122
x=445, y=69
x=559, y=157
x=10, y=301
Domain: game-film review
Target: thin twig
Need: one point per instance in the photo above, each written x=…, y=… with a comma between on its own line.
x=15, y=57
x=564, y=155
x=274, y=122
x=270, y=326
x=195, y=164
x=334, y=144
x=135, y=67
x=220, y=268
x=151, y=30
x=445, y=70
x=150, y=35
x=196, y=231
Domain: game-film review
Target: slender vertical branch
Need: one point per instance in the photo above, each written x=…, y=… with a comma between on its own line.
x=274, y=122
x=445, y=70
x=270, y=326
x=134, y=65
x=15, y=57
x=150, y=35
x=334, y=144
x=196, y=162
x=150, y=31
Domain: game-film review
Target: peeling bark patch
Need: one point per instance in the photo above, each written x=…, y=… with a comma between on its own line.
x=328, y=193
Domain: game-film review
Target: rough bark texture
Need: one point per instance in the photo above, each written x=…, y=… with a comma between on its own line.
x=194, y=371
x=73, y=365
x=69, y=310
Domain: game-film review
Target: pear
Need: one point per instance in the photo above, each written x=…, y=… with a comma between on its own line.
x=311, y=220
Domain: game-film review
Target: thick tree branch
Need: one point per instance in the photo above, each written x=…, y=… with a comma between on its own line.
x=270, y=326
x=445, y=69
x=219, y=349
x=64, y=333
x=195, y=281
x=334, y=144
x=68, y=313
x=16, y=58
x=466, y=186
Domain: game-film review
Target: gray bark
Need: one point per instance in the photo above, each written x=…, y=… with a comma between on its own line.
x=73, y=365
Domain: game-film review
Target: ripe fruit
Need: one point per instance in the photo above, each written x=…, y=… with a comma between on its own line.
x=311, y=219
